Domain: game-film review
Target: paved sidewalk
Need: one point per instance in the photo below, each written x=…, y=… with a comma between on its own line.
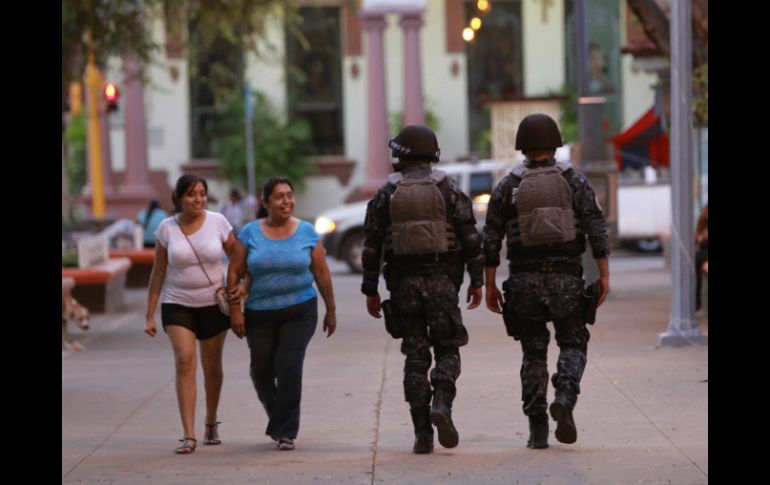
x=642, y=416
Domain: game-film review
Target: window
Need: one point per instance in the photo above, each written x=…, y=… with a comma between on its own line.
x=216, y=75
x=481, y=183
x=602, y=19
x=494, y=64
x=315, y=78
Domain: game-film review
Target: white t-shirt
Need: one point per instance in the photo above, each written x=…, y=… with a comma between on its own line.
x=185, y=283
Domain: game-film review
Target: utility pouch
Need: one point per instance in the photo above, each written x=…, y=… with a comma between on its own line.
x=513, y=325
x=591, y=299
x=393, y=322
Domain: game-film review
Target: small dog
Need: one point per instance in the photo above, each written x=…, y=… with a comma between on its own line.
x=72, y=310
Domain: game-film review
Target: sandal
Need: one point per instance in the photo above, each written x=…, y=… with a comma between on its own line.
x=285, y=444
x=210, y=430
x=186, y=447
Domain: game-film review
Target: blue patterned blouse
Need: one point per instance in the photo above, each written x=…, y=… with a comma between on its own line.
x=280, y=269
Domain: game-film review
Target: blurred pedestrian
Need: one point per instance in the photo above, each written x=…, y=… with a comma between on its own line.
x=150, y=218
x=186, y=273
x=279, y=257
x=701, y=254
x=233, y=210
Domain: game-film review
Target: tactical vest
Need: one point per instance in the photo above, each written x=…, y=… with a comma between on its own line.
x=543, y=201
x=419, y=221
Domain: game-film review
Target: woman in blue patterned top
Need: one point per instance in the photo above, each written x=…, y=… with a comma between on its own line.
x=279, y=257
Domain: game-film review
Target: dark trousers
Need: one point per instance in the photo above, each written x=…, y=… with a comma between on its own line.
x=572, y=338
x=277, y=341
x=429, y=308
x=539, y=298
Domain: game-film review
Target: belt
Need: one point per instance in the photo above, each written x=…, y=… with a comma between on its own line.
x=409, y=259
x=548, y=267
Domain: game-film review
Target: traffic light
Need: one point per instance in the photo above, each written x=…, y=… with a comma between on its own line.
x=111, y=96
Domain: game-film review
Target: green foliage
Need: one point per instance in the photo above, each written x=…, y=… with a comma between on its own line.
x=482, y=147
x=396, y=121
x=700, y=102
x=69, y=259
x=116, y=30
x=278, y=145
x=77, y=154
x=569, y=114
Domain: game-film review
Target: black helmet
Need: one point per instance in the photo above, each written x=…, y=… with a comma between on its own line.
x=415, y=142
x=537, y=132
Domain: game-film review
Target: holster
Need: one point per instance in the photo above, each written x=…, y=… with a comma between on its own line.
x=393, y=323
x=513, y=325
x=590, y=301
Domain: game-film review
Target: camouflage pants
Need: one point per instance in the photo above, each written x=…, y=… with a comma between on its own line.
x=539, y=298
x=429, y=308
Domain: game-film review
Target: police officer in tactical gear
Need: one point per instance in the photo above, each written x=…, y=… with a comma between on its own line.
x=423, y=225
x=545, y=209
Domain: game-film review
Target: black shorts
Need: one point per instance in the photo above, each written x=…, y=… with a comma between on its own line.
x=205, y=322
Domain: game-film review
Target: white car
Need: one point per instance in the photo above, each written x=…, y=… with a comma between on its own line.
x=342, y=227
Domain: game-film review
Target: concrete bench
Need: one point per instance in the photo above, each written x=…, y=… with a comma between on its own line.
x=141, y=265
x=100, y=287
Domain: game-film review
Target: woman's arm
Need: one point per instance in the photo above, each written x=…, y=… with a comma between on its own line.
x=157, y=276
x=235, y=270
x=323, y=280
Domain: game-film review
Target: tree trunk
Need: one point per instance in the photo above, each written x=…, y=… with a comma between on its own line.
x=657, y=27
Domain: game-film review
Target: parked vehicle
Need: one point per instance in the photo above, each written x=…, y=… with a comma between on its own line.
x=342, y=227
x=644, y=215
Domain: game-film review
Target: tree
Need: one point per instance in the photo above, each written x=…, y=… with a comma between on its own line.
x=121, y=27
x=116, y=27
x=656, y=26
x=278, y=145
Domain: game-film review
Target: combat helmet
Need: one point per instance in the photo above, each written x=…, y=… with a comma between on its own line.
x=536, y=132
x=415, y=142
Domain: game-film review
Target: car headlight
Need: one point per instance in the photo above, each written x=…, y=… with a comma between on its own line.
x=481, y=202
x=324, y=225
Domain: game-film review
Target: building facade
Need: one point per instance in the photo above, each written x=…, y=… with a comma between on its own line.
x=424, y=70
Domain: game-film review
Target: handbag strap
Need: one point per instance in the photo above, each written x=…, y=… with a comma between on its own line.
x=194, y=251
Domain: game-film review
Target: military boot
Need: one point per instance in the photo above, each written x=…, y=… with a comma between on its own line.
x=538, y=431
x=441, y=416
x=423, y=431
x=561, y=412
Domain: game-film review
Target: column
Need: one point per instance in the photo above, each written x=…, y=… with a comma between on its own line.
x=135, y=181
x=378, y=155
x=414, y=113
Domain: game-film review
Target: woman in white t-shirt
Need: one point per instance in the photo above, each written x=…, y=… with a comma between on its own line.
x=186, y=273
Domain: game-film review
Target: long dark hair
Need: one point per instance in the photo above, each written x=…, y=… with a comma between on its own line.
x=154, y=204
x=267, y=190
x=183, y=184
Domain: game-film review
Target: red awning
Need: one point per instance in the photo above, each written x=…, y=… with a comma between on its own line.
x=643, y=143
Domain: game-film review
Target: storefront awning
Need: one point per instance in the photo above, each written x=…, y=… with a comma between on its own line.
x=643, y=143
